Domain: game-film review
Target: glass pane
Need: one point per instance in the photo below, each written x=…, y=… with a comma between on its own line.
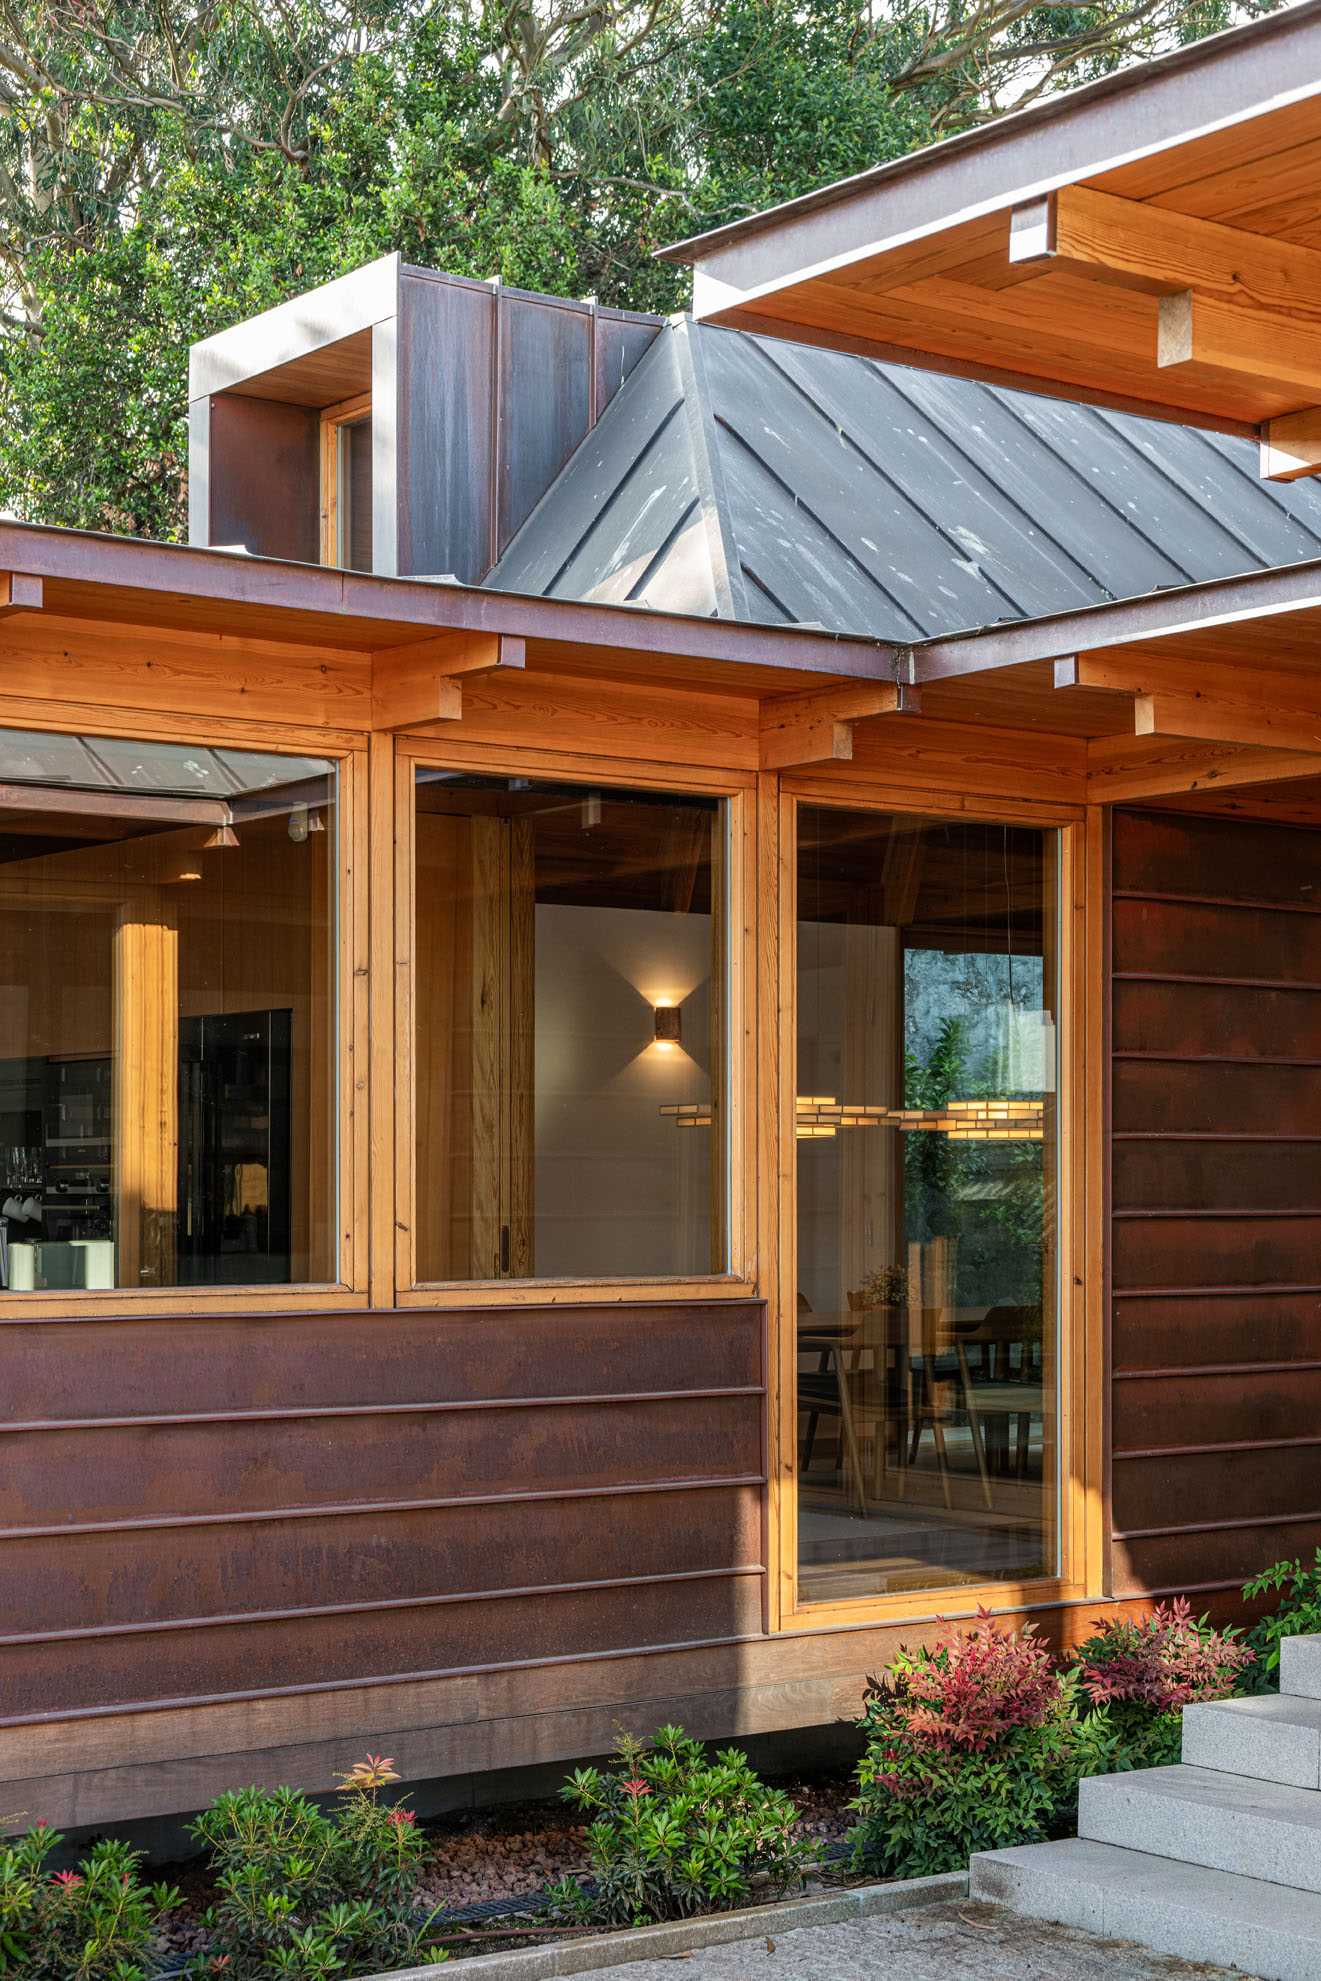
x=926, y=1150
x=167, y=1007
x=568, y=1041
x=355, y=494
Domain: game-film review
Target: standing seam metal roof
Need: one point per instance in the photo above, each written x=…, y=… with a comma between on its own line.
x=746, y=478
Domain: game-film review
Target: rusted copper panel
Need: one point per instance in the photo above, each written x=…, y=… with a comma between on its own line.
x=1199, y=1562
x=1166, y=1098
x=1204, y=1021
x=207, y=1661
x=1219, y=1176
x=1258, y=1324
x=1227, y=1407
x=1203, y=939
x=104, y=1472
x=120, y=1368
x=1183, y=1252
x=1236, y=860
x=1184, y=1485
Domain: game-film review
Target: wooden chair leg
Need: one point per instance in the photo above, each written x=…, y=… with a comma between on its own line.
x=942, y=1456
x=813, y=1418
x=850, y=1434
x=974, y=1425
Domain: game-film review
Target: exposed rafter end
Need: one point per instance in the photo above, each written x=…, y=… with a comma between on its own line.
x=1291, y=445
x=422, y=682
x=1130, y=769
x=20, y=593
x=798, y=730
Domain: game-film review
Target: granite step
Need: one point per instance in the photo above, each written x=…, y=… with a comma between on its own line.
x=1259, y=1829
x=1188, y=1910
x=1300, y=1667
x=1274, y=1738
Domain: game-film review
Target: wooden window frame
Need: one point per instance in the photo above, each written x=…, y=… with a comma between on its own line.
x=739, y=790
x=1080, y=1224
x=333, y=420
x=349, y=1290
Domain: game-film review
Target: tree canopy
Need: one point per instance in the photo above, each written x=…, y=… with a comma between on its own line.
x=169, y=167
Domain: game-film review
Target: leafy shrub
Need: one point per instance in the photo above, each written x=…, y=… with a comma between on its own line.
x=1144, y=1671
x=973, y=1744
x=93, y=1924
x=308, y=1894
x=1297, y=1614
x=677, y=1833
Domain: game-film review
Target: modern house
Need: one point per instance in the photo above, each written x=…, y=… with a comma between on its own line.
x=662, y=1005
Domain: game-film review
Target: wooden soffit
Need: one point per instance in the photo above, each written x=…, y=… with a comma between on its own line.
x=1151, y=241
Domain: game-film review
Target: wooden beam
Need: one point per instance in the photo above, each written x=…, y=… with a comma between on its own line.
x=1211, y=701
x=1159, y=252
x=1128, y=769
x=1291, y=445
x=818, y=727
x=421, y=681
x=1206, y=719
x=1208, y=335
x=20, y=593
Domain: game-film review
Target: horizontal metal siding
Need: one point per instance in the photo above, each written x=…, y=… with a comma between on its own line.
x=1215, y=1200
x=198, y=1510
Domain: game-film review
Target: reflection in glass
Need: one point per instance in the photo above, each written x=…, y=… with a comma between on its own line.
x=167, y=999
x=926, y=1124
x=567, y=1038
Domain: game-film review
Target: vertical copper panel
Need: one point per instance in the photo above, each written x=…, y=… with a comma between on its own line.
x=1215, y=1221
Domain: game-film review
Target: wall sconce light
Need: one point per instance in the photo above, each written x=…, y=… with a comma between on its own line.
x=669, y=1025
x=188, y=873
x=224, y=835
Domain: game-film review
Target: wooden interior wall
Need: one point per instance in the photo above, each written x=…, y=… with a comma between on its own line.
x=193, y=1511
x=1216, y=1199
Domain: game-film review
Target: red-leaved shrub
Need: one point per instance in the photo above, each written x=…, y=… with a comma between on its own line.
x=972, y=1687
x=1143, y=1671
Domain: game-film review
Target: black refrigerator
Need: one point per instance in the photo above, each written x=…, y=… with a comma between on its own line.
x=234, y=1149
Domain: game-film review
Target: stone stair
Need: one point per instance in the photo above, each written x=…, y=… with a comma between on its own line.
x=1218, y=1859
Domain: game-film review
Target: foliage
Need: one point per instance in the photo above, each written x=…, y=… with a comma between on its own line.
x=168, y=167
x=307, y=1894
x=1143, y=1671
x=974, y=1744
x=93, y=1924
x=1296, y=1614
x=675, y=1833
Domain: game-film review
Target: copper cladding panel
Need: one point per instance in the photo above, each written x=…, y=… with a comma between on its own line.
x=193, y=1510
x=1215, y=1199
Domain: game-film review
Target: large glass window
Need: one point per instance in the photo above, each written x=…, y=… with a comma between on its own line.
x=167, y=1000
x=568, y=1031
x=926, y=1152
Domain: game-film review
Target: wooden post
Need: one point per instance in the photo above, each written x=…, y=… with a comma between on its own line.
x=146, y=1089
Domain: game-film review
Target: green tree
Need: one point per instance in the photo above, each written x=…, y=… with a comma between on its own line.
x=168, y=167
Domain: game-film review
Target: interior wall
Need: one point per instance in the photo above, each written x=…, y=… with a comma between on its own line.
x=1216, y=1199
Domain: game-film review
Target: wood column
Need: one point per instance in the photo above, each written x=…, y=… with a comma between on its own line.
x=146, y=1088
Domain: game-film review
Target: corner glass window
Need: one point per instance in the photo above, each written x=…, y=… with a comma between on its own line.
x=569, y=1031
x=926, y=1129
x=167, y=1006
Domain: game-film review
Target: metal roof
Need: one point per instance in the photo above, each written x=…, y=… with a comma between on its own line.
x=749, y=479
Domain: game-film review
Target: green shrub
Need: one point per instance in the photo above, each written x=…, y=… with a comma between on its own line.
x=308, y=1894
x=93, y=1924
x=1296, y=1614
x=973, y=1744
x=677, y=1833
x=1143, y=1671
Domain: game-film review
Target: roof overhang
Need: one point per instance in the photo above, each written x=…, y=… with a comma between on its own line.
x=83, y=575
x=1151, y=240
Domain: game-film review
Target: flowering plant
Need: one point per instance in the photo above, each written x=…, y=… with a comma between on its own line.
x=1143, y=1671
x=973, y=1743
x=676, y=1832
x=93, y=1924
x=308, y=1893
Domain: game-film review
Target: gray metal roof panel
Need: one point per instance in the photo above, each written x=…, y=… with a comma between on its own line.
x=819, y=488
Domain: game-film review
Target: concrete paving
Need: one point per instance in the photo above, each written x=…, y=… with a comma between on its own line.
x=962, y=1941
